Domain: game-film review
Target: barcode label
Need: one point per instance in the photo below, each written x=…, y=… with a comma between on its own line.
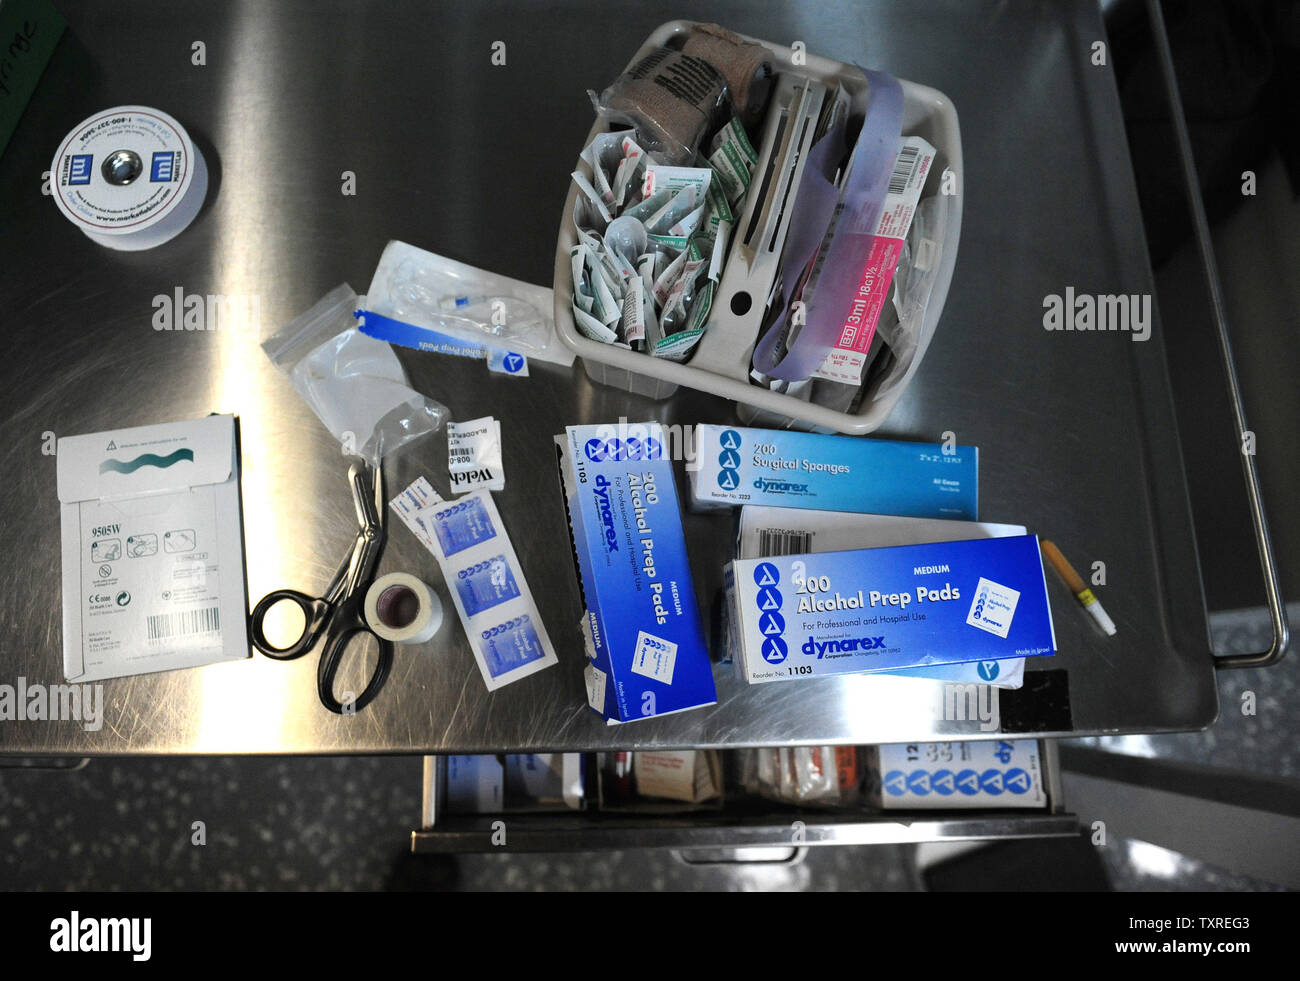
x=166, y=626
x=775, y=541
x=903, y=167
x=460, y=453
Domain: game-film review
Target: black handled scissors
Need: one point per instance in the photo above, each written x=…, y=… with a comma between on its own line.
x=340, y=613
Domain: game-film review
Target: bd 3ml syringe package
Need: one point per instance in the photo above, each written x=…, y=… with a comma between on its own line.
x=644, y=635
x=877, y=609
x=784, y=469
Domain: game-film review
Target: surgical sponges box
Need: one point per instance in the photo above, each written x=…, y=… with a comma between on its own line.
x=876, y=609
x=643, y=630
x=785, y=469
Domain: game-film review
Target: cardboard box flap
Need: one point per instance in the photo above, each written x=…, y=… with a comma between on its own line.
x=146, y=460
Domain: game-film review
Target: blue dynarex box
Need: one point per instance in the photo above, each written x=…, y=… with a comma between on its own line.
x=646, y=646
x=875, y=609
x=779, y=468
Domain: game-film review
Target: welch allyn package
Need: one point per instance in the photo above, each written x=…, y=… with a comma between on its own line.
x=784, y=469
x=875, y=609
x=646, y=643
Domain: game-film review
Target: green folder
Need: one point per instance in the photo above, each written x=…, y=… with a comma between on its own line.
x=29, y=30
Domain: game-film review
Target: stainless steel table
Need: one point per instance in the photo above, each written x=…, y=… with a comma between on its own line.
x=451, y=153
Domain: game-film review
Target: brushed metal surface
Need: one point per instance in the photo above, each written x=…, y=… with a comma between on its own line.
x=450, y=153
x=568, y=833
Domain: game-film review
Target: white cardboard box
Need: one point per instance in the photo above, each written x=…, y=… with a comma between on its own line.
x=153, y=571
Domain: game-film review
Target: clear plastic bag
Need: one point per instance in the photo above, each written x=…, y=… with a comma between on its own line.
x=354, y=383
x=440, y=294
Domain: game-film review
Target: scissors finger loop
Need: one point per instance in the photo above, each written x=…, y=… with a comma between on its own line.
x=315, y=611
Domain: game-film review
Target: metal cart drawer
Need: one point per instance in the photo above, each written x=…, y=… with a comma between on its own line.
x=743, y=823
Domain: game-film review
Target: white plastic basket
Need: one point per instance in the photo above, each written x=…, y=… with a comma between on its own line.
x=928, y=114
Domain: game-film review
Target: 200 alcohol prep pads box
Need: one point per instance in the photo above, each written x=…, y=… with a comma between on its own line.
x=647, y=648
x=880, y=608
x=785, y=469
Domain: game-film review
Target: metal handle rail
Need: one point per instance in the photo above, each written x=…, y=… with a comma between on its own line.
x=1263, y=543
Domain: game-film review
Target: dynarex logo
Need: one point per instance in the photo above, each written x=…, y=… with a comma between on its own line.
x=771, y=624
x=617, y=450
x=779, y=486
x=729, y=460
x=601, y=490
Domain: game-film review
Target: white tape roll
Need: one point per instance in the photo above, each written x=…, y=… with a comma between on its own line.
x=129, y=177
x=403, y=609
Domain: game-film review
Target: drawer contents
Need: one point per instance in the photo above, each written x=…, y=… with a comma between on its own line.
x=822, y=776
x=772, y=783
x=660, y=782
x=512, y=783
x=996, y=773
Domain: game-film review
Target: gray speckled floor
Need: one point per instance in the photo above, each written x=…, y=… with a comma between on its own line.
x=269, y=823
x=307, y=823
x=1139, y=866
x=1265, y=742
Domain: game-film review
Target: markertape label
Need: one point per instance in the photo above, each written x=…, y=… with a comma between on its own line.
x=123, y=170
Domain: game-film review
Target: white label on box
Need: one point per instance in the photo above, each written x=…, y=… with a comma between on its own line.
x=654, y=657
x=474, y=455
x=993, y=608
x=170, y=575
x=595, y=679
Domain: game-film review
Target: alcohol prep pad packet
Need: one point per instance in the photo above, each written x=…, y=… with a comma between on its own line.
x=496, y=607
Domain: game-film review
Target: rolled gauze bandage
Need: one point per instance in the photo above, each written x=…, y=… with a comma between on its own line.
x=402, y=609
x=746, y=66
x=671, y=98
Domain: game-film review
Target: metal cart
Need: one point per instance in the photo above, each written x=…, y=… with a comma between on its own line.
x=1077, y=431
